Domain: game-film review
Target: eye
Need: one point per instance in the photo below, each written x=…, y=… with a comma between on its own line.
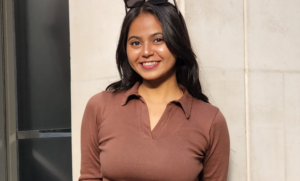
x=158, y=40
x=135, y=43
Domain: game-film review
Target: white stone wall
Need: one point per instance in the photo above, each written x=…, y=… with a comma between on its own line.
x=249, y=54
x=273, y=46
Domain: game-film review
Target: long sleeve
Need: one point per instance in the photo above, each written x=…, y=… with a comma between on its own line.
x=216, y=161
x=90, y=162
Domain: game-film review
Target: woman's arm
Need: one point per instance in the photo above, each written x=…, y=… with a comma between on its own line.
x=216, y=161
x=90, y=162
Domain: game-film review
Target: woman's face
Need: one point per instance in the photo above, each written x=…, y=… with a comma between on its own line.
x=147, y=51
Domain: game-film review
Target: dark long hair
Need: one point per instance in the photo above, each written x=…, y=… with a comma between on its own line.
x=177, y=40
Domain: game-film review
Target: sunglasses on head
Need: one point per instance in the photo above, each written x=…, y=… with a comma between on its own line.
x=138, y=3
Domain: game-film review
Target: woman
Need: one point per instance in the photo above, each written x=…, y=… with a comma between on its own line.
x=155, y=123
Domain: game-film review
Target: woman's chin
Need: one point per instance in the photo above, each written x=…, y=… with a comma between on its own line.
x=158, y=77
x=150, y=78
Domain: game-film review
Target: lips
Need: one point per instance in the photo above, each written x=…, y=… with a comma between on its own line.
x=149, y=64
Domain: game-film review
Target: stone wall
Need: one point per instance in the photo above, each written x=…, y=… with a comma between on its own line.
x=249, y=54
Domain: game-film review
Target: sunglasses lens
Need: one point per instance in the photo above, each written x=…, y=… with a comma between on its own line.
x=134, y=3
x=158, y=1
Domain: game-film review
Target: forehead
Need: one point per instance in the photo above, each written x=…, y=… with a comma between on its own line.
x=144, y=24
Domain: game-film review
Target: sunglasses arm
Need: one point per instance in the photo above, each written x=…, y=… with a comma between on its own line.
x=125, y=7
x=176, y=6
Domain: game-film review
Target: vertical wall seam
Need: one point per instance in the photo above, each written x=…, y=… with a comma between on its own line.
x=246, y=67
x=284, y=126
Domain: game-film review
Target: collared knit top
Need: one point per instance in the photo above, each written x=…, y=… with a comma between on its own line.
x=189, y=143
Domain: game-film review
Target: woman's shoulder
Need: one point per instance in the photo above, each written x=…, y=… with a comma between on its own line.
x=210, y=113
x=105, y=98
x=200, y=105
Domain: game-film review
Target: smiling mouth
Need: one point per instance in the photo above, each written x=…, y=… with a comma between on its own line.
x=149, y=63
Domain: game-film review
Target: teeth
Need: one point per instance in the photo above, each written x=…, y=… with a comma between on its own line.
x=150, y=63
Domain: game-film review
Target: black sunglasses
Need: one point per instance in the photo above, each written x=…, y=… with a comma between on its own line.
x=138, y=3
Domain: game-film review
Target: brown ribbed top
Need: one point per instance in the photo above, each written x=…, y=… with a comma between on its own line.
x=117, y=143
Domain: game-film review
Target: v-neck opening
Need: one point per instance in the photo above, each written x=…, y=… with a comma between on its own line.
x=158, y=128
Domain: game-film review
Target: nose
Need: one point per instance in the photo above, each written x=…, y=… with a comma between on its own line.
x=147, y=50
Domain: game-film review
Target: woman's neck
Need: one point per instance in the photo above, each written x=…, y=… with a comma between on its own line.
x=157, y=91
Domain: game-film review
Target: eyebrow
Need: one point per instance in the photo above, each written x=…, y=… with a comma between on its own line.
x=136, y=37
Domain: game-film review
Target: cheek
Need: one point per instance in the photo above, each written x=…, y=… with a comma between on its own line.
x=132, y=59
x=132, y=55
x=165, y=53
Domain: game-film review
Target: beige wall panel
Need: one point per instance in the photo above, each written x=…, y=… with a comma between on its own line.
x=217, y=35
x=273, y=34
x=292, y=125
x=216, y=30
x=267, y=147
x=226, y=91
x=94, y=29
x=81, y=93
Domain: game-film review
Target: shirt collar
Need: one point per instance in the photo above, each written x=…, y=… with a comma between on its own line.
x=185, y=101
